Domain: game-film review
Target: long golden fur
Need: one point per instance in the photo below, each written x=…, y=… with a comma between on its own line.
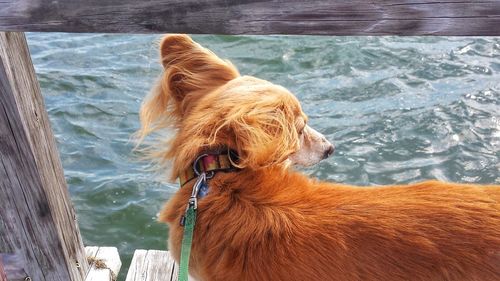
x=268, y=222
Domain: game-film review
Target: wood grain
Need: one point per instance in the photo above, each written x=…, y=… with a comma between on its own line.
x=104, y=264
x=340, y=17
x=37, y=219
x=3, y=276
x=12, y=268
x=152, y=265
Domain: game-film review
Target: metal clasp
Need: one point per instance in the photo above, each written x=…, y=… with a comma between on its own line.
x=193, y=200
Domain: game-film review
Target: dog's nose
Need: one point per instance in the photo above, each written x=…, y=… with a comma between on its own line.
x=329, y=151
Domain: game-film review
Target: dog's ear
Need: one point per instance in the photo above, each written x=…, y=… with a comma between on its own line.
x=265, y=135
x=189, y=67
x=189, y=71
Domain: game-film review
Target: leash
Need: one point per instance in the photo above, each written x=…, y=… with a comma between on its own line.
x=189, y=221
x=204, y=167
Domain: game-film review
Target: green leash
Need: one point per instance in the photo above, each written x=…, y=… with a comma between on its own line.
x=187, y=240
x=189, y=221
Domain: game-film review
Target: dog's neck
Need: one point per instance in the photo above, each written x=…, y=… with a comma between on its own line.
x=210, y=162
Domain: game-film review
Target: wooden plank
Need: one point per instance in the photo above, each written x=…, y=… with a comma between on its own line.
x=37, y=219
x=355, y=17
x=104, y=263
x=152, y=265
x=175, y=273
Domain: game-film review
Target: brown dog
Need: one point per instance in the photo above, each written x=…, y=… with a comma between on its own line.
x=267, y=222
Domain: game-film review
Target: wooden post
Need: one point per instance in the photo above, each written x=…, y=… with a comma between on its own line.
x=37, y=219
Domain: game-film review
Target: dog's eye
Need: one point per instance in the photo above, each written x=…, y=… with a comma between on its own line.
x=301, y=132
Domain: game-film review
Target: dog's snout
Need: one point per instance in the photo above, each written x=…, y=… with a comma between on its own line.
x=329, y=151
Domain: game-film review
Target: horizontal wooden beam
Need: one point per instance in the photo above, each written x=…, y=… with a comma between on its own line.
x=322, y=17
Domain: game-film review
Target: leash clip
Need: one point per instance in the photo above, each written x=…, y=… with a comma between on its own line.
x=193, y=199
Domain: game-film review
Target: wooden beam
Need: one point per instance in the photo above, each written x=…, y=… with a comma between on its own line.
x=340, y=17
x=37, y=219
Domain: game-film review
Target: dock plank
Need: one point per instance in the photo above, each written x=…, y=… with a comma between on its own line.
x=104, y=263
x=153, y=265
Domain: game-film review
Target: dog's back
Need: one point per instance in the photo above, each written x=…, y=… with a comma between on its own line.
x=426, y=231
x=266, y=227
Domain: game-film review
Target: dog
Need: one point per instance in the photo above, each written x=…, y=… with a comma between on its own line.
x=262, y=220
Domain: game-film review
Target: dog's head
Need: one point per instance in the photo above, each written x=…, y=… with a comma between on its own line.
x=212, y=107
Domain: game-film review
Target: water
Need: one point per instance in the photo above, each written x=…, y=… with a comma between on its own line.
x=398, y=109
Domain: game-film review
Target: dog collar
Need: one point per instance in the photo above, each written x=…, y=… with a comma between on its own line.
x=210, y=163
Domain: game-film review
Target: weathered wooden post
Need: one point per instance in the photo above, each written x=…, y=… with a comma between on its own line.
x=37, y=219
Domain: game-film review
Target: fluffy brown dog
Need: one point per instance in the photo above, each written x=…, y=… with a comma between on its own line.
x=267, y=222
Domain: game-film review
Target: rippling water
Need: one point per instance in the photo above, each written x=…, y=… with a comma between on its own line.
x=398, y=109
